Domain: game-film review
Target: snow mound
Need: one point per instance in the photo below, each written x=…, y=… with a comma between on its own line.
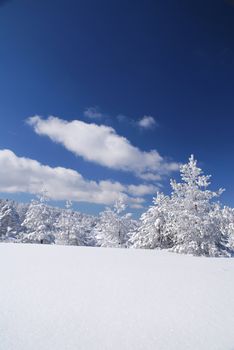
x=69, y=298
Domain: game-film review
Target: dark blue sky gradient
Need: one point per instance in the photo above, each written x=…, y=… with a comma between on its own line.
x=173, y=60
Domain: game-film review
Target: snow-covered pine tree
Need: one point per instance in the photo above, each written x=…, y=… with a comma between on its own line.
x=193, y=219
x=9, y=222
x=74, y=228
x=80, y=230
x=67, y=227
x=86, y=233
x=113, y=228
x=227, y=219
x=37, y=225
x=152, y=231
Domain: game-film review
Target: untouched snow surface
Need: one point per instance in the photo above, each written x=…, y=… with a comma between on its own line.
x=76, y=298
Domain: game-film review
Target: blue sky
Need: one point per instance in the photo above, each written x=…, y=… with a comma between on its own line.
x=119, y=61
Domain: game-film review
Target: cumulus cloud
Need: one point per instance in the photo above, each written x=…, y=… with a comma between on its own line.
x=19, y=174
x=101, y=144
x=147, y=122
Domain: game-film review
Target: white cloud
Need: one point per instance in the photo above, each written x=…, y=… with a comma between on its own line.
x=142, y=190
x=147, y=122
x=19, y=174
x=102, y=145
x=93, y=113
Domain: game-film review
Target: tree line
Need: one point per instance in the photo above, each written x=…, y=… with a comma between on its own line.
x=190, y=220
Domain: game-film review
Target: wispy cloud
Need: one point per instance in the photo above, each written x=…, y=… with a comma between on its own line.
x=101, y=144
x=93, y=113
x=20, y=174
x=124, y=119
x=147, y=122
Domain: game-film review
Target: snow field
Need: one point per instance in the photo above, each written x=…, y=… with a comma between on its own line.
x=77, y=298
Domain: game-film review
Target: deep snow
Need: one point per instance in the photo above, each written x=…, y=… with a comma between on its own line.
x=76, y=298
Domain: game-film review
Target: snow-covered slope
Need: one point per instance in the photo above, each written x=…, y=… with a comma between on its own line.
x=76, y=298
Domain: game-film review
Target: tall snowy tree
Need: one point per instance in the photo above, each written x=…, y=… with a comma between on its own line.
x=193, y=218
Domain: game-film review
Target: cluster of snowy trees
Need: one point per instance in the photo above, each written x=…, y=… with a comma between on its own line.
x=40, y=223
x=189, y=220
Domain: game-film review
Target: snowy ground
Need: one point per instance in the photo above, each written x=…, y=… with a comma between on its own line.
x=71, y=298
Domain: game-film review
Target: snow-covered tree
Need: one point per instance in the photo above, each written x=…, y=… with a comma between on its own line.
x=64, y=225
x=37, y=225
x=152, y=231
x=81, y=230
x=227, y=219
x=194, y=218
x=67, y=227
x=86, y=233
x=113, y=228
x=9, y=222
x=74, y=228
